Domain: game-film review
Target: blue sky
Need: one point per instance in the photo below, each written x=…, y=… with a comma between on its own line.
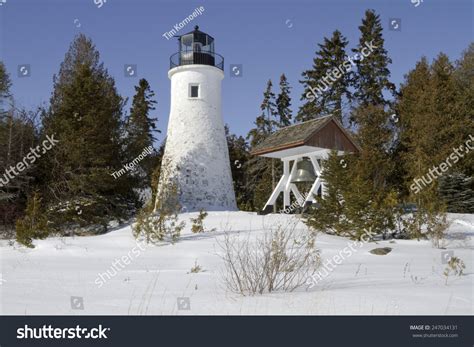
x=267, y=37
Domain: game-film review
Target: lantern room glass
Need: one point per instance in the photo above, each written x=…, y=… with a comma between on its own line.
x=196, y=48
x=197, y=41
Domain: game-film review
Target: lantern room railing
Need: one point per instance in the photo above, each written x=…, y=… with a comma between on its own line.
x=193, y=58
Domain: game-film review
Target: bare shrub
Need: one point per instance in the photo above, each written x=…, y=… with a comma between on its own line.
x=436, y=226
x=455, y=266
x=282, y=259
x=196, y=268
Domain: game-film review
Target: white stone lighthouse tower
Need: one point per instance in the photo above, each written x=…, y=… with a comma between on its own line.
x=196, y=159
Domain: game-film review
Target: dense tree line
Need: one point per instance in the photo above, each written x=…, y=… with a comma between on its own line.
x=75, y=186
x=402, y=135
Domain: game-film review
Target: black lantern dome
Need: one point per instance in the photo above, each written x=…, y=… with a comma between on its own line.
x=196, y=47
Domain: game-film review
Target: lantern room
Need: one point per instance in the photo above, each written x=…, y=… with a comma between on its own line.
x=196, y=48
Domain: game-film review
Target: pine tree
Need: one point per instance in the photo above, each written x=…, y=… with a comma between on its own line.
x=348, y=207
x=429, y=129
x=372, y=77
x=259, y=170
x=155, y=176
x=435, y=106
x=329, y=78
x=330, y=214
x=18, y=133
x=5, y=83
x=431, y=122
x=239, y=156
x=85, y=117
x=6, y=116
x=464, y=79
x=140, y=129
x=371, y=117
x=34, y=225
x=140, y=126
x=452, y=123
x=265, y=123
x=283, y=103
x=457, y=191
x=369, y=198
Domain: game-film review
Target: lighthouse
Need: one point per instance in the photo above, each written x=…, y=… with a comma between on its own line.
x=196, y=165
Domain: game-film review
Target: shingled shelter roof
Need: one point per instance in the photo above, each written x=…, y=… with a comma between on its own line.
x=325, y=132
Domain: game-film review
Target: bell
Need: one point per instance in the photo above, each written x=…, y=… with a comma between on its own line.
x=304, y=172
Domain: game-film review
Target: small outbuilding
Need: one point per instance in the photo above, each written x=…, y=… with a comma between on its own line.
x=302, y=148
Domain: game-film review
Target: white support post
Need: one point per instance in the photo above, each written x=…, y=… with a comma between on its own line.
x=278, y=189
x=314, y=161
x=317, y=182
x=313, y=190
x=323, y=184
x=286, y=173
x=286, y=202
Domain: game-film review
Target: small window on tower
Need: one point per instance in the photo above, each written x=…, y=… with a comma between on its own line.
x=194, y=91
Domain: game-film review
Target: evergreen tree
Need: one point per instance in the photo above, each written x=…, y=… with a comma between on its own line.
x=283, y=103
x=259, y=171
x=452, y=123
x=372, y=77
x=85, y=117
x=6, y=116
x=265, y=123
x=457, y=191
x=18, y=133
x=155, y=176
x=369, y=200
x=140, y=129
x=239, y=156
x=140, y=126
x=6, y=119
x=34, y=225
x=348, y=208
x=431, y=125
x=431, y=121
x=374, y=137
x=5, y=83
x=370, y=197
x=330, y=214
x=7, y=213
x=329, y=78
x=464, y=80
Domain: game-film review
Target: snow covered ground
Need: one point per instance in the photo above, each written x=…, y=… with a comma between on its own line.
x=407, y=281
